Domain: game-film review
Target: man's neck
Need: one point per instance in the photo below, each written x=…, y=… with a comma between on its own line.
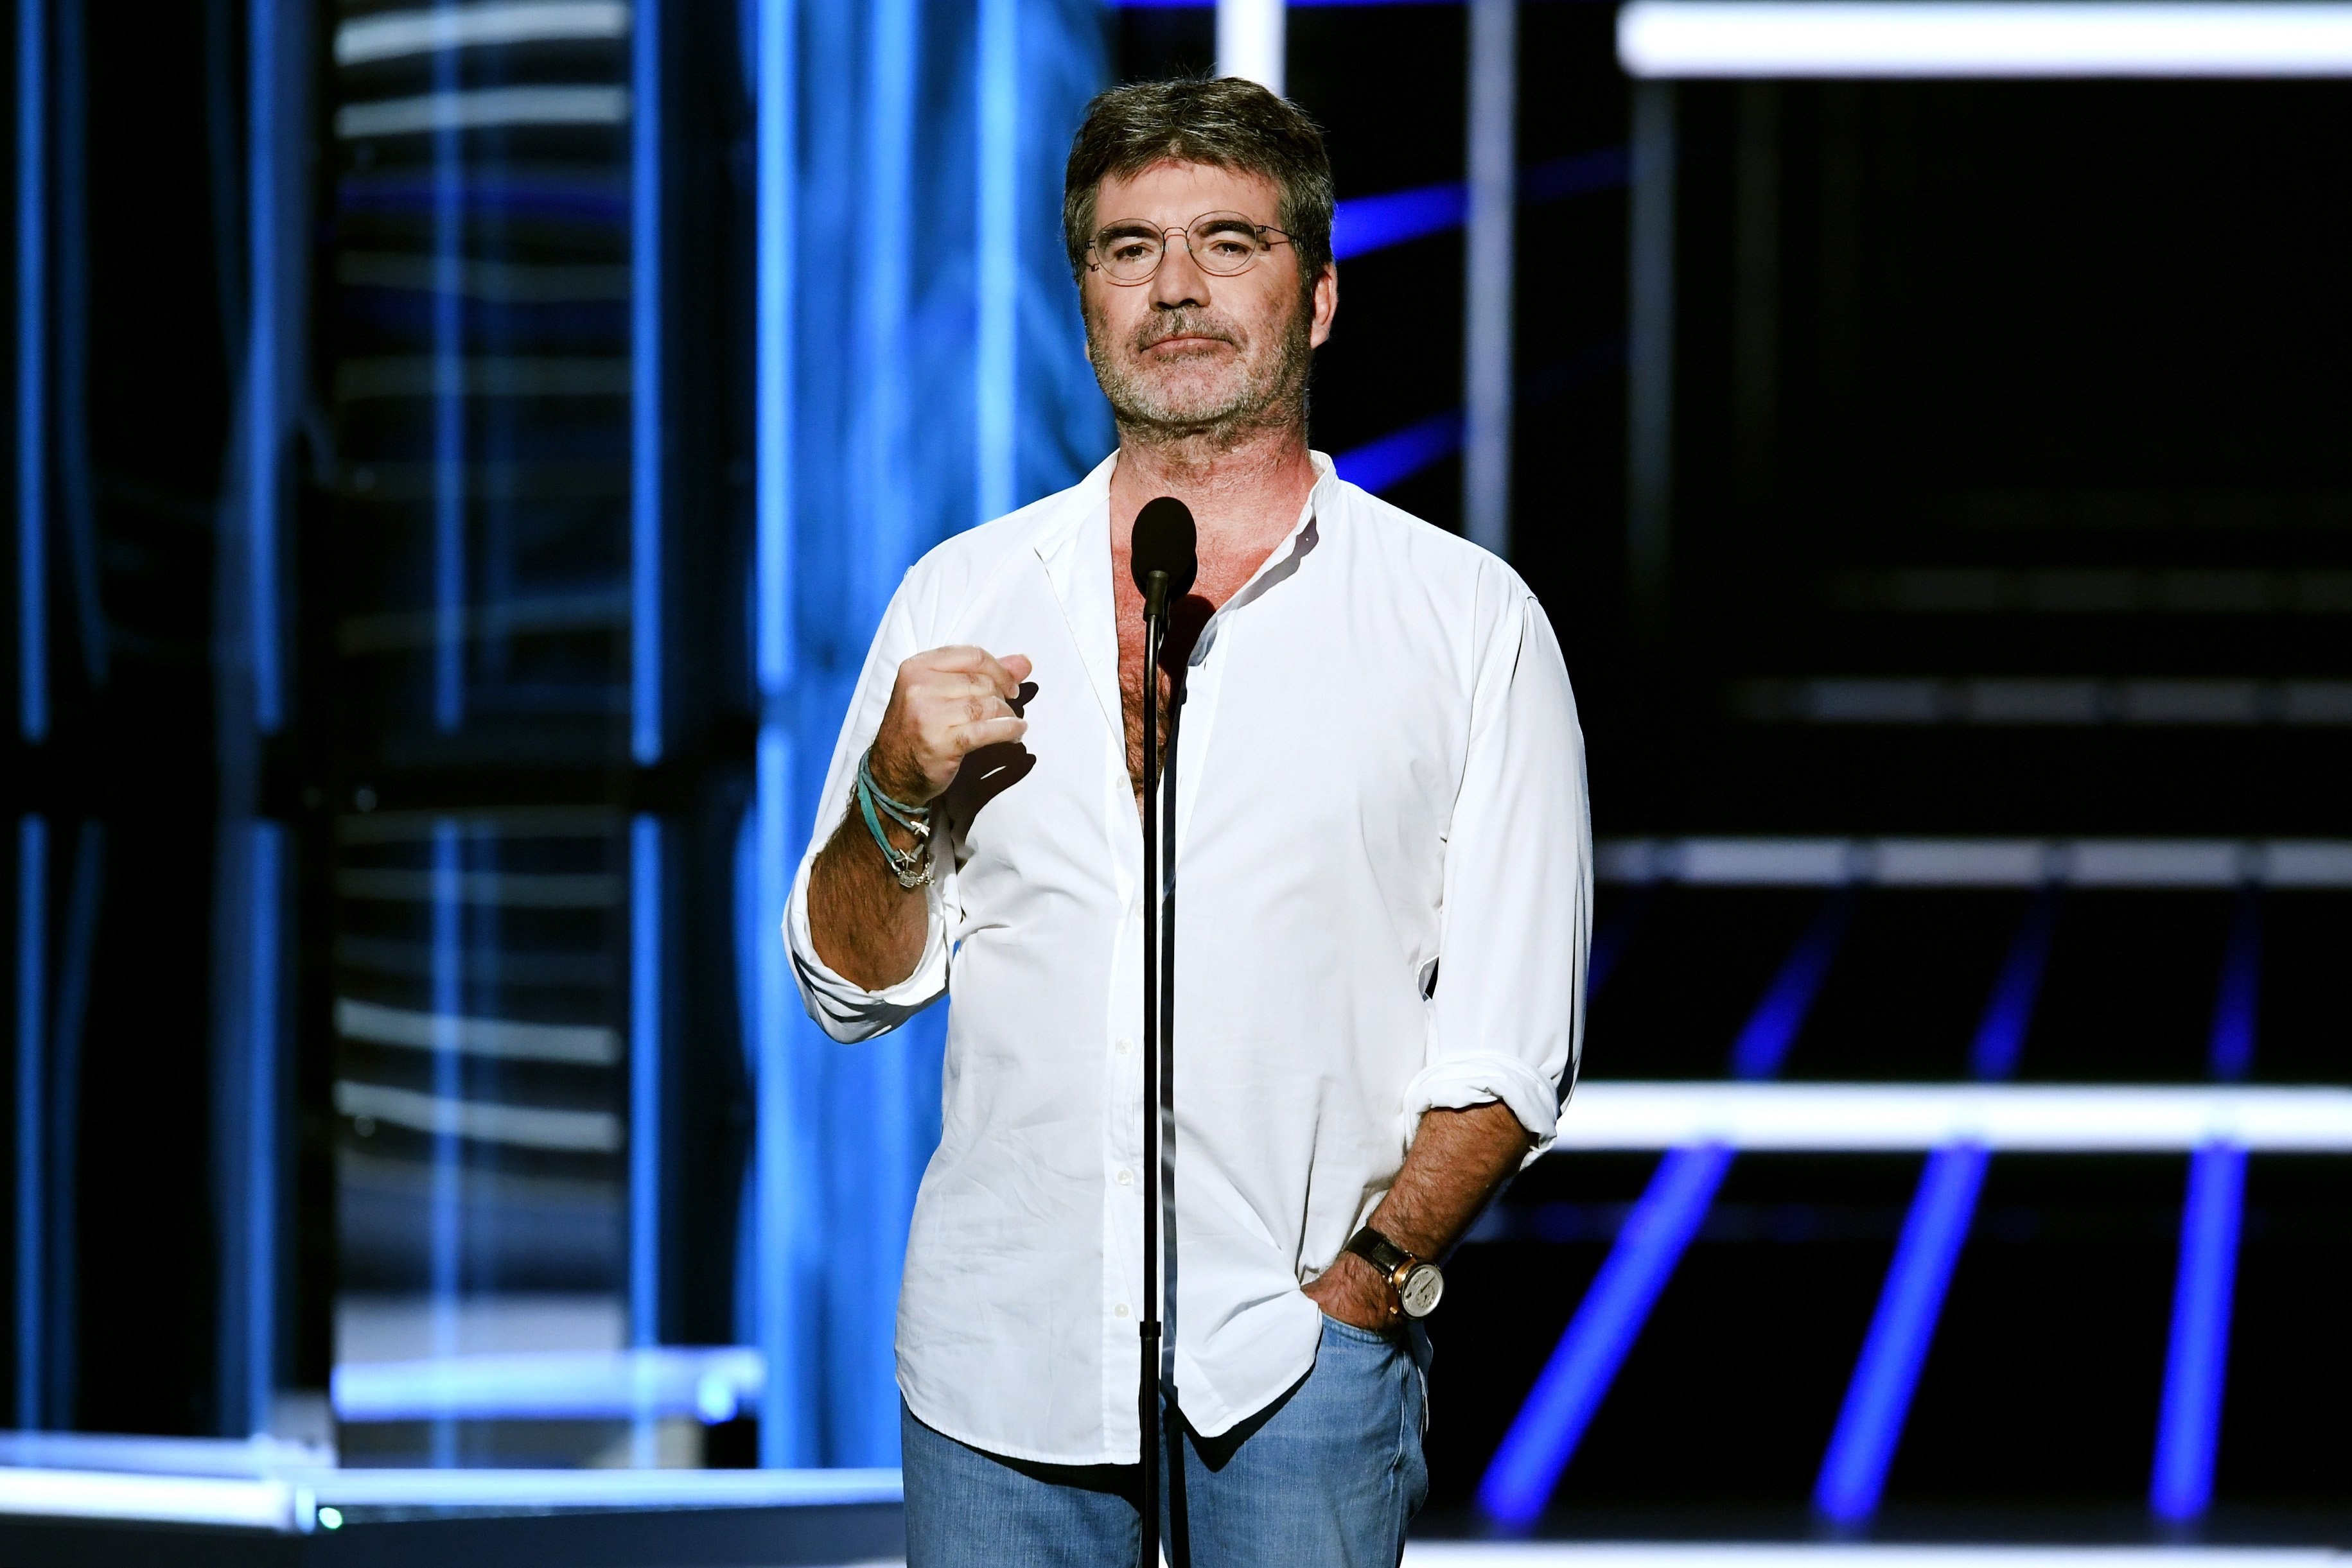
x=1243, y=495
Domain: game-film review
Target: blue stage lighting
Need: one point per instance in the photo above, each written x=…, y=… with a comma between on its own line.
x=1763, y=1045
x=2189, y=1427
x=1542, y=1438
x=1879, y=1398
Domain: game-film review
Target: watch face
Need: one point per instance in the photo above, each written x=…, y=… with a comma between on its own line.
x=1421, y=1289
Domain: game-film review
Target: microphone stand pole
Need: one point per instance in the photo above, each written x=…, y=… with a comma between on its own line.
x=1155, y=626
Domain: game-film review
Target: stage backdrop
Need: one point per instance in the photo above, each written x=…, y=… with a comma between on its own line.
x=922, y=368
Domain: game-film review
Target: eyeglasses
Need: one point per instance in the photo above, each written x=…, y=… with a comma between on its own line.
x=1220, y=243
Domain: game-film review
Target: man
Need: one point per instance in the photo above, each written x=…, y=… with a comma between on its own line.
x=1383, y=873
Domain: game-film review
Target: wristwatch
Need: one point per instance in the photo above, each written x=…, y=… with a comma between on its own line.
x=1418, y=1285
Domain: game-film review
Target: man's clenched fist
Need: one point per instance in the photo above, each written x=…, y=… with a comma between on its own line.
x=946, y=703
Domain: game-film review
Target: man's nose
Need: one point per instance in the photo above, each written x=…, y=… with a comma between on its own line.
x=1179, y=281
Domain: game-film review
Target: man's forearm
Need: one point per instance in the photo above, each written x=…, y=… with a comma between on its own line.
x=1459, y=1159
x=867, y=929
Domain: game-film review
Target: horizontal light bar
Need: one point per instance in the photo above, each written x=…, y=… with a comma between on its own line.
x=1979, y=862
x=1874, y=39
x=148, y=1498
x=483, y=106
x=705, y=1383
x=392, y=35
x=1642, y=1554
x=290, y=1502
x=1873, y=1118
x=578, y=1045
x=2041, y=701
x=245, y=1459
x=483, y=1121
x=535, y=1491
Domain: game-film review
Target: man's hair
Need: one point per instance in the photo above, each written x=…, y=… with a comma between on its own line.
x=1227, y=123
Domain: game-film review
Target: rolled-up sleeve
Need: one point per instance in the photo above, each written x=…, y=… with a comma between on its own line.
x=841, y=1008
x=1506, y=1016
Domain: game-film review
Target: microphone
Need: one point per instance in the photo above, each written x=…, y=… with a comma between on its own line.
x=1164, y=545
x=1165, y=554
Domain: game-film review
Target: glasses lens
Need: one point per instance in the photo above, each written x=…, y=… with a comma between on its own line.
x=1128, y=253
x=1226, y=243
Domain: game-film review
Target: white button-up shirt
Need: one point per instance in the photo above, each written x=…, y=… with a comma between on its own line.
x=1384, y=884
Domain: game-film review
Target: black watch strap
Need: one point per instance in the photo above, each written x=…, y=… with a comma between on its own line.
x=1381, y=1252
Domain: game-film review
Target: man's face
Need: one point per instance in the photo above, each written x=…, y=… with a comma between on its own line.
x=1188, y=351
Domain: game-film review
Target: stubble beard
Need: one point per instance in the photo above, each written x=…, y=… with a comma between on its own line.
x=1256, y=390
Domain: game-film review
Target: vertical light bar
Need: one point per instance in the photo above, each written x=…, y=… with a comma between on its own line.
x=1878, y=1397
x=1770, y=1032
x=778, y=155
x=261, y=1147
x=443, y=1216
x=32, y=371
x=1650, y=355
x=998, y=263
x=883, y=533
x=644, y=1109
x=1854, y=1473
x=1544, y=1435
x=448, y=407
x=786, y=1437
x=266, y=357
x=1488, y=268
x=2188, y=1426
x=1250, y=41
x=2196, y=1358
x=2230, y=1054
x=1569, y=1391
x=645, y=465
x=32, y=1030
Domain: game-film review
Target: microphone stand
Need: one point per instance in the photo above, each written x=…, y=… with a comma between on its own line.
x=1155, y=628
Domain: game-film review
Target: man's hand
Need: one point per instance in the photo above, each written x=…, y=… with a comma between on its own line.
x=1458, y=1160
x=946, y=704
x=1353, y=1291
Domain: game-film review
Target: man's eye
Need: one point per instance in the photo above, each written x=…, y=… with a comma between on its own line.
x=1129, y=250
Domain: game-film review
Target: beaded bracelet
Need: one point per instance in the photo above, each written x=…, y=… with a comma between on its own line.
x=911, y=867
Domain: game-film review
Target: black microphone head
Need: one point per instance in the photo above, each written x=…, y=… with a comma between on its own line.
x=1164, y=540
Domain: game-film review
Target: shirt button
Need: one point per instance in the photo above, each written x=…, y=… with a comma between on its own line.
x=1119, y=1311
x=1125, y=1177
x=1125, y=1046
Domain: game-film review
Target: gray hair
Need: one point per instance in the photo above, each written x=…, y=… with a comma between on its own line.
x=1226, y=124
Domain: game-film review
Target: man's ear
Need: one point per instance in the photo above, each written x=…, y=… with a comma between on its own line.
x=1325, y=301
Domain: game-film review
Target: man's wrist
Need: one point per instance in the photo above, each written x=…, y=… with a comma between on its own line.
x=898, y=776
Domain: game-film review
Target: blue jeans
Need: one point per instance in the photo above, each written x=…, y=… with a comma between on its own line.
x=1329, y=1474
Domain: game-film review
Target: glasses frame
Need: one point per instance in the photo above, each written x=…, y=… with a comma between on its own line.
x=1137, y=226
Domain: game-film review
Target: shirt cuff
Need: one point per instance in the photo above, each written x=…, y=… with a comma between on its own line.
x=846, y=1009
x=1457, y=1082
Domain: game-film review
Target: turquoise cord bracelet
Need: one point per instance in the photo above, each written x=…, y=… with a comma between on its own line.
x=911, y=867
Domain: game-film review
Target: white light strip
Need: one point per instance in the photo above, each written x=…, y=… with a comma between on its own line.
x=1251, y=41
x=525, y=1127
x=287, y=1502
x=1979, y=862
x=392, y=35
x=582, y=1045
x=1642, y=1554
x=1843, y=38
x=176, y=1500
x=604, y=1488
x=485, y=107
x=1859, y=1118
x=709, y=1383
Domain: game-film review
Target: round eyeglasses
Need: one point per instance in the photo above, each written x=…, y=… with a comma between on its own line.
x=1220, y=243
